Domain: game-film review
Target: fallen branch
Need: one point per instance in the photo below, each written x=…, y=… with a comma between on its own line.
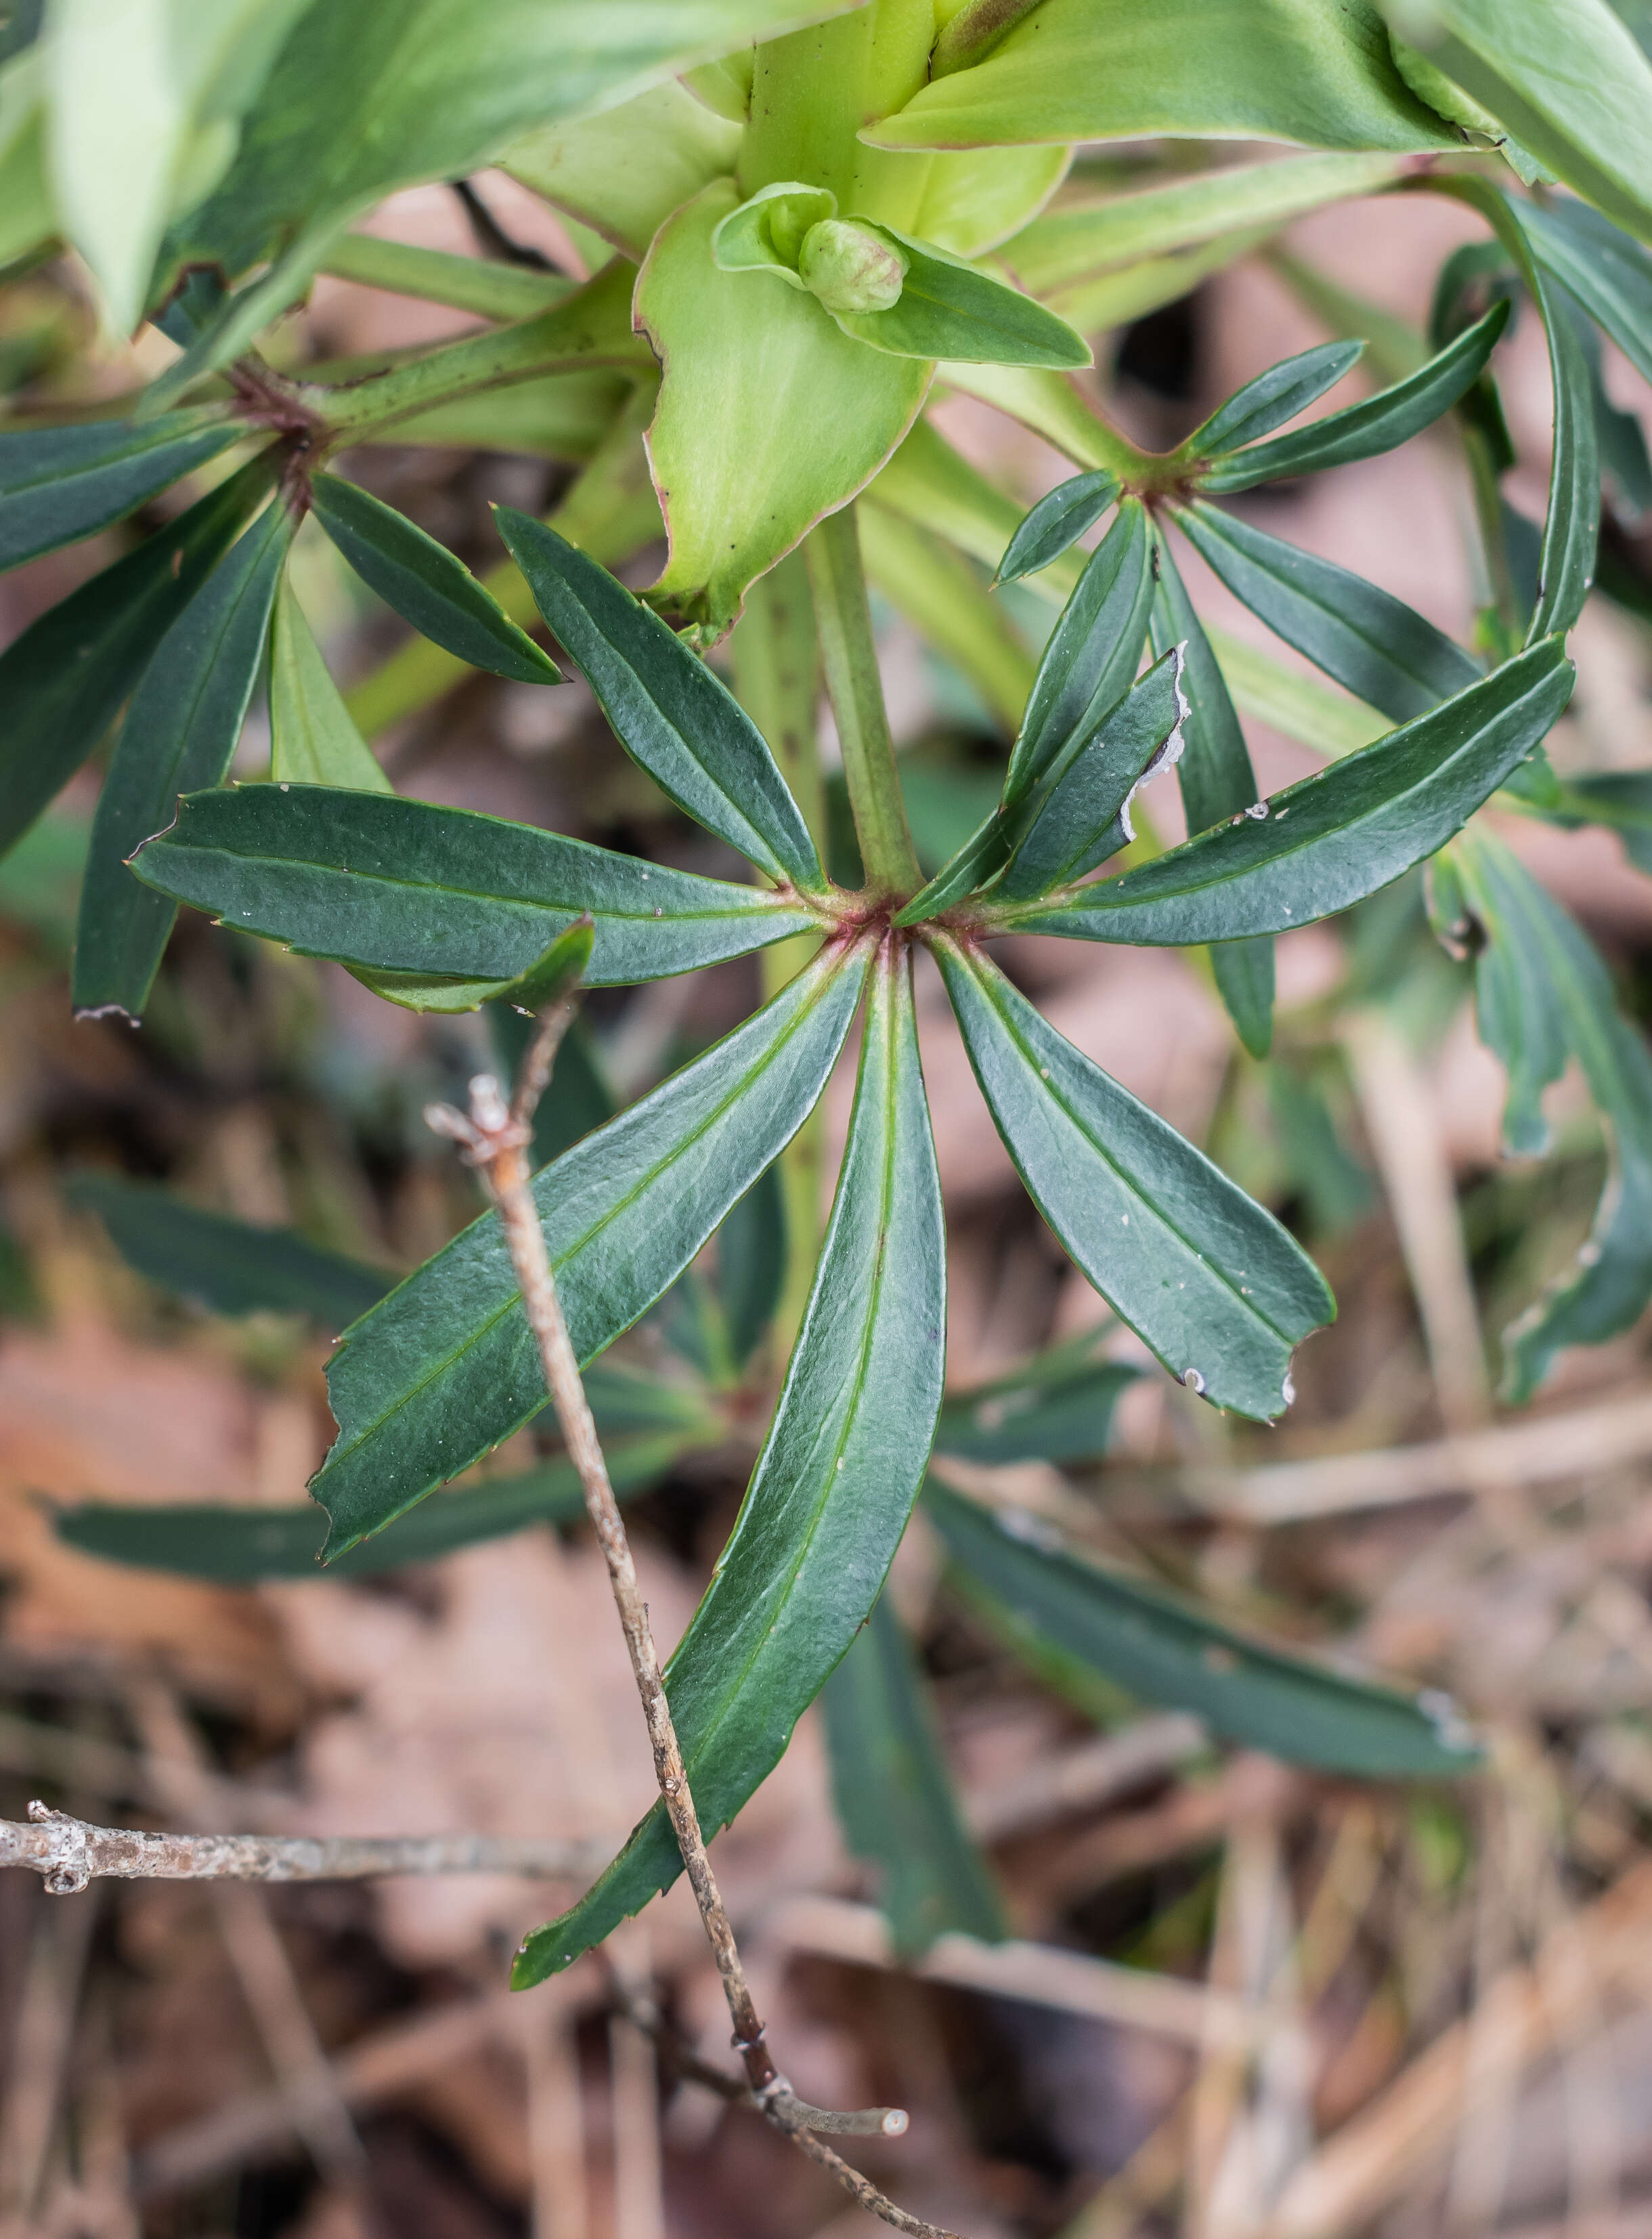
x=494, y=1138
x=70, y=1852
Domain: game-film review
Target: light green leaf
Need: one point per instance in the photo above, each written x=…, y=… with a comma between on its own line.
x=57, y=484
x=425, y=583
x=1056, y=1407
x=1081, y=816
x=1057, y=522
x=981, y=197
x=27, y=214
x=1085, y=233
x=447, y=1365
x=1216, y=783
x=1193, y=70
x=1381, y=650
x=667, y=709
x=1543, y=995
x=1141, y=1637
x=767, y=234
x=181, y=727
x=832, y=1488
x=1361, y=431
x=895, y=1800
x=935, y=487
x=242, y=1546
x=951, y=309
x=1351, y=828
x=769, y=414
x=1210, y=1281
x=228, y=1266
x=387, y=885
x=63, y=682
x=312, y=739
x=623, y=171
x=1567, y=78
x=366, y=98
x=146, y=99
x=1273, y=397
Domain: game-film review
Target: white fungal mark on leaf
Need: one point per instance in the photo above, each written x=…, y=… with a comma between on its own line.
x=1193, y=1380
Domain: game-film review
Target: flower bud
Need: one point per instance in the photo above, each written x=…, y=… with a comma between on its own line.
x=849, y=267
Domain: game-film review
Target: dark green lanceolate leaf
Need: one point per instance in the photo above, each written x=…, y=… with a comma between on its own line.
x=63, y=681
x=426, y=584
x=832, y=1488
x=1543, y=995
x=668, y=711
x=1571, y=526
x=1164, y=1650
x=1379, y=424
x=57, y=484
x=1610, y=274
x=1093, y=651
x=1272, y=398
x=895, y=1800
x=228, y=1265
x=1216, y=783
x=948, y=309
x=242, y=1546
x=1211, y=1282
x=1082, y=815
x=1572, y=523
x=1055, y=523
x=1380, y=649
x=1058, y=1407
x=313, y=738
x=1087, y=668
x=391, y=886
x=1333, y=838
x=447, y=1366
x=180, y=729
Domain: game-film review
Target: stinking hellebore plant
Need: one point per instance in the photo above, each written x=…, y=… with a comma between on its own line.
x=800, y=232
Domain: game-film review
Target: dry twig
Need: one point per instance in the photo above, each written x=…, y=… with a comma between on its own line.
x=494, y=1138
x=70, y=1852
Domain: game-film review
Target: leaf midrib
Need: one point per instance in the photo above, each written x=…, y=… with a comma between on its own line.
x=762, y=902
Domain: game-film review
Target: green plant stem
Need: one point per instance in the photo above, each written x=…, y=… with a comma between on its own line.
x=777, y=680
x=435, y=275
x=591, y=327
x=849, y=659
x=609, y=511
